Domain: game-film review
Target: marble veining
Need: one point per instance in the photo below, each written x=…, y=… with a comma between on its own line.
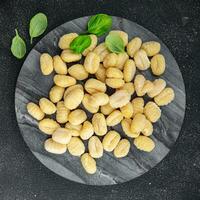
x=32, y=85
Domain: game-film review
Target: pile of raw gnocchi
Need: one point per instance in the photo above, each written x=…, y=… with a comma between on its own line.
x=99, y=71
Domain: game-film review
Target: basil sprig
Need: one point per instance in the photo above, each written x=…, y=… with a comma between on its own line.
x=80, y=43
x=18, y=46
x=37, y=26
x=99, y=24
x=114, y=43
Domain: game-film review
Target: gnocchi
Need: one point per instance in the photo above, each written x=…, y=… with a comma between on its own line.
x=62, y=113
x=76, y=147
x=114, y=118
x=144, y=143
x=78, y=72
x=54, y=147
x=95, y=147
x=92, y=62
x=110, y=140
x=59, y=65
x=46, y=64
x=122, y=148
x=47, y=106
x=48, y=126
x=35, y=111
x=88, y=163
x=62, y=136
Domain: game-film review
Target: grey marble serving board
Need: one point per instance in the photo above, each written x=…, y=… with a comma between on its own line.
x=32, y=85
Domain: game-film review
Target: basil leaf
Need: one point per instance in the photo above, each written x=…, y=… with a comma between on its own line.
x=99, y=24
x=18, y=46
x=38, y=25
x=114, y=43
x=80, y=43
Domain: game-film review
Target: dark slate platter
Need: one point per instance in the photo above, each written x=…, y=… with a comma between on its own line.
x=32, y=85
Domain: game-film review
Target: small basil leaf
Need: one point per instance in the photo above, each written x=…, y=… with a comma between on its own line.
x=114, y=43
x=80, y=43
x=99, y=24
x=18, y=46
x=38, y=25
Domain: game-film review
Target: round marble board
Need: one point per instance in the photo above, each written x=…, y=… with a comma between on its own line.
x=32, y=85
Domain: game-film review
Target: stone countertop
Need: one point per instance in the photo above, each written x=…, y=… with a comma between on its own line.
x=177, y=177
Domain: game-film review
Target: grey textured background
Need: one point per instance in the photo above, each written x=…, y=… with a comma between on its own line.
x=177, y=177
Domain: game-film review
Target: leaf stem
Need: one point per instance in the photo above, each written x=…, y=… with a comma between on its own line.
x=31, y=40
x=16, y=32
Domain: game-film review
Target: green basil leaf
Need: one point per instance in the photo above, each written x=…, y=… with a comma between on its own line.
x=18, y=46
x=114, y=43
x=99, y=24
x=38, y=25
x=80, y=43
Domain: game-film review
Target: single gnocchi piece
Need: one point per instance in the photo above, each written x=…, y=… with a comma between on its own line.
x=129, y=70
x=158, y=64
x=95, y=147
x=123, y=35
x=93, y=44
x=77, y=117
x=73, y=99
x=102, y=51
x=122, y=148
x=165, y=97
x=99, y=124
x=141, y=60
x=78, y=72
x=75, y=130
x=110, y=60
x=98, y=99
x=138, y=123
x=64, y=81
x=158, y=86
x=69, y=56
x=148, y=128
x=62, y=136
x=152, y=48
x=65, y=40
x=152, y=112
x=70, y=88
x=76, y=147
x=126, y=126
x=101, y=73
x=47, y=106
x=56, y=93
x=112, y=72
x=46, y=64
x=62, y=113
x=87, y=130
x=142, y=86
x=127, y=110
x=87, y=104
x=92, y=86
x=138, y=105
x=129, y=87
x=54, y=147
x=92, y=62
x=121, y=60
x=114, y=118
x=88, y=163
x=48, y=126
x=106, y=109
x=115, y=82
x=59, y=65
x=119, y=98
x=144, y=143
x=133, y=46
x=110, y=140
x=35, y=111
